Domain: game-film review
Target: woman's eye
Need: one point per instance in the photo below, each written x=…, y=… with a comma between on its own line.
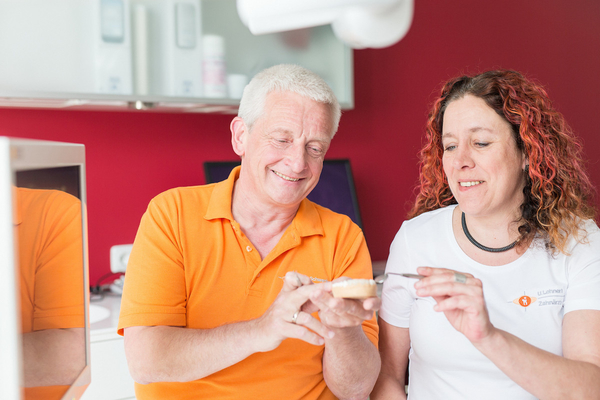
x=449, y=147
x=481, y=144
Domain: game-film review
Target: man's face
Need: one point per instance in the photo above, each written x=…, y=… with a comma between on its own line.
x=282, y=157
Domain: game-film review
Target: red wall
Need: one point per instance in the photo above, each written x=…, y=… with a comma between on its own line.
x=132, y=156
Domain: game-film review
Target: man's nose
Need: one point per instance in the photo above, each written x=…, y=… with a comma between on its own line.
x=297, y=158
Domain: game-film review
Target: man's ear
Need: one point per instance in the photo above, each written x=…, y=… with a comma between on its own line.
x=239, y=131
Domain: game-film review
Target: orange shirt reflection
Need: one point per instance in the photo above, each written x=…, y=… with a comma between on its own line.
x=48, y=224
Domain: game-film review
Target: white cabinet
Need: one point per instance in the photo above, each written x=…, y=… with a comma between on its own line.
x=110, y=375
x=114, y=54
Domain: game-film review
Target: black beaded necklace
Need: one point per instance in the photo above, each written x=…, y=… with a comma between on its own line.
x=479, y=245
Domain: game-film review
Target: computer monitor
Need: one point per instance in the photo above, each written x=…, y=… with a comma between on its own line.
x=335, y=189
x=43, y=270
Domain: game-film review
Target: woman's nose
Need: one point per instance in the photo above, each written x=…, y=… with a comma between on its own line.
x=463, y=157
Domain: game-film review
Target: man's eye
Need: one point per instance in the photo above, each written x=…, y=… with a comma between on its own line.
x=315, y=150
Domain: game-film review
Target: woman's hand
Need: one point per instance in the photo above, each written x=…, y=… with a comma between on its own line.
x=461, y=302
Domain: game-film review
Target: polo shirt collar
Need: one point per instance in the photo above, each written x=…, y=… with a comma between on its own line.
x=219, y=205
x=17, y=215
x=307, y=221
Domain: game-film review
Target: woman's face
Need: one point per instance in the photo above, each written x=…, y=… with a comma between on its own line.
x=481, y=160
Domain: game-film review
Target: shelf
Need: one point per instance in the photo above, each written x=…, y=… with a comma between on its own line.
x=52, y=50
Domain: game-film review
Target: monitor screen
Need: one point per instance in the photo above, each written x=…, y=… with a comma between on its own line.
x=44, y=337
x=335, y=189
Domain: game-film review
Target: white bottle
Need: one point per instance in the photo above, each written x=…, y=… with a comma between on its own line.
x=213, y=66
x=183, y=54
x=113, y=47
x=141, y=49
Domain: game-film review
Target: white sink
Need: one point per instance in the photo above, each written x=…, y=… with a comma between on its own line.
x=98, y=313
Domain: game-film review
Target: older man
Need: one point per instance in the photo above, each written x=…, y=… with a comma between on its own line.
x=228, y=288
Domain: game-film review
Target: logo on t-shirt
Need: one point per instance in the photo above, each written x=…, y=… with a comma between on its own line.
x=543, y=298
x=525, y=301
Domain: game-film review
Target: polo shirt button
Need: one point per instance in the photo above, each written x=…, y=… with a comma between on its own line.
x=248, y=248
x=258, y=276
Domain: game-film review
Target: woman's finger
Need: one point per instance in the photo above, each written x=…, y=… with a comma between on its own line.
x=449, y=289
x=465, y=303
x=442, y=273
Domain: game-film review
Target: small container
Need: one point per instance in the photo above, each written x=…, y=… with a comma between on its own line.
x=236, y=84
x=213, y=66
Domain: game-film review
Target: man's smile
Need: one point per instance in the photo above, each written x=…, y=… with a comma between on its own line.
x=287, y=178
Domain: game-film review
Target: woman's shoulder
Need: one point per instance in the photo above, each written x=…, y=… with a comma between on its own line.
x=589, y=236
x=581, y=245
x=590, y=226
x=430, y=218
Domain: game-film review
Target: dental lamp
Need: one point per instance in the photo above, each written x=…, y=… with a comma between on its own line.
x=358, y=23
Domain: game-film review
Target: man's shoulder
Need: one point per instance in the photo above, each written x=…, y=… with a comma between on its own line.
x=182, y=196
x=334, y=220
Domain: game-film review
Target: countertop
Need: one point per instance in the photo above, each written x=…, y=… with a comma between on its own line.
x=112, y=302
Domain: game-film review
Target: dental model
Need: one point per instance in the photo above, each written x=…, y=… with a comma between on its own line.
x=355, y=289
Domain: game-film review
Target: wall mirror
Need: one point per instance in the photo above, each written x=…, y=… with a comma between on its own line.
x=44, y=337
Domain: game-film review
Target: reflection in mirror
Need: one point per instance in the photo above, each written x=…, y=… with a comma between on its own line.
x=44, y=271
x=52, y=296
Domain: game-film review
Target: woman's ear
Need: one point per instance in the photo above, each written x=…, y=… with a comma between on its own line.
x=238, y=135
x=525, y=163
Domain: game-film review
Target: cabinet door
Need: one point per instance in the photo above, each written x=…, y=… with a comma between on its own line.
x=110, y=375
x=147, y=54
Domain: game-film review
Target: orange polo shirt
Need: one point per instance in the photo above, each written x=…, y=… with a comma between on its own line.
x=192, y=266
x=48, y=224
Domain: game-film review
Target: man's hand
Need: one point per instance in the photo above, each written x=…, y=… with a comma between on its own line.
x=290, y=315
x=343, y=313
x=351, y=362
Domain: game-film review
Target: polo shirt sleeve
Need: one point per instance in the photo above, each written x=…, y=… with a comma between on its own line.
x=59, y=288
x=154, y=292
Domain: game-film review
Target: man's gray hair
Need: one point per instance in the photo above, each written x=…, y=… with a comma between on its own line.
x=282, y=78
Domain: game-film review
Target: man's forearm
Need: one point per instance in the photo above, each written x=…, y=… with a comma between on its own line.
x=351, y=364
x=173, y=354
x=53, y=356
x=176, y=354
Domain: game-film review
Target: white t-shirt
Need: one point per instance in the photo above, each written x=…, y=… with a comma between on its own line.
x=527, y=298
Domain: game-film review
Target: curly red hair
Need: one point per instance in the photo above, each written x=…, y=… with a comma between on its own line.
x=558, y=191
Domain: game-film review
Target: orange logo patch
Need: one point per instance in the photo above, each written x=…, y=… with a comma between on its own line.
x=525, y=301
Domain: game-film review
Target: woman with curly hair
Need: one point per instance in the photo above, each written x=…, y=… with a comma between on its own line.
x=507, y=304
